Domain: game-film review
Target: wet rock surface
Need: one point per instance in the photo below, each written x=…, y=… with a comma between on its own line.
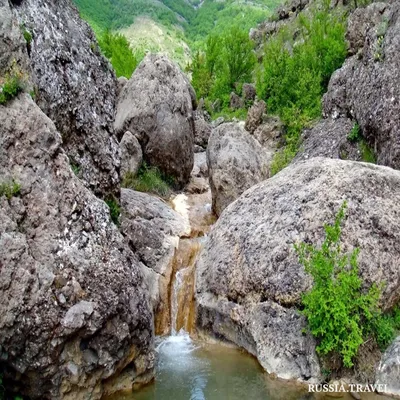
x=388, y=371
x=152, y=230
x=156, y=105
x=75, y=87
x=249, y=260
x=73, y=302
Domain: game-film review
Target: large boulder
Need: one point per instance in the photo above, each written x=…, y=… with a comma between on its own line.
x=235, y=161
x=388, y=371
x=202, y=129
x=329, y=138
x=156, y=105
x=74, y=308
x=152, y=230
x=131, y=155
x=13, y=47
x=366, y=87
x=249, y=280
x=75, y=87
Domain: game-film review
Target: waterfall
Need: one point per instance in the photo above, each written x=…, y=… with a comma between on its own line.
x=182, y=309
x=175, y=300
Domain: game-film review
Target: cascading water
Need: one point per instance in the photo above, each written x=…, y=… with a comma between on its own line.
x=189, y=369
x=175, y=299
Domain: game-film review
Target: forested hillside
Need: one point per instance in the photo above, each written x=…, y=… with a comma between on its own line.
x=168, y=25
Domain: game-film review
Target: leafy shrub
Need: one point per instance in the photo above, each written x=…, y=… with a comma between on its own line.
x=10, y=189
x=10, y=88
x=337, y=310
x=115, y=209
x=227, y=62
x=149, y=180
x=116, y=48
x=386, y=327
x=294, y=75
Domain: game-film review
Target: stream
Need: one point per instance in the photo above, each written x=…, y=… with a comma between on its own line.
x=191, y=369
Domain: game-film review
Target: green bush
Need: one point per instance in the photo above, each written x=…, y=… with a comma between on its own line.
x=227, y=62
x=337, y=309
x=386, y=327
x=116, y=48
x=149, y=180
x=10, y=88
x=294, y=75
x=10, y=189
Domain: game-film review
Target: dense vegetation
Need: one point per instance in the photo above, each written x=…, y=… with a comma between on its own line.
x=116, y=48
x=340, y=314
x=294, y=76
x=227, y=61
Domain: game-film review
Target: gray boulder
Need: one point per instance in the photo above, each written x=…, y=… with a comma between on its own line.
x=388, y=371
x=202, y=129
x=235, y=102
x=329, y=138
x=270, y=132
x=74, y=308
x=131, y=155
x=156, y=105
x=152, y=230
x=235, y=161
x=76, y=87
x=255, y=116
x=249, y=92
x=249, y=281
x=367, y=86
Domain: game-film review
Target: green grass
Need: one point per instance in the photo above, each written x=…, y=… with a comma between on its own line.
x=367, y=154
x=149, y=180
x=115, y=209
x=10, y=189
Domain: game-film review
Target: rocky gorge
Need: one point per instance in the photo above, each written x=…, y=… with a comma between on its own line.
x=93, y=270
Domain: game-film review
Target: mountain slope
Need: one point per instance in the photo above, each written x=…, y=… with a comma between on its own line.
x=196, y=18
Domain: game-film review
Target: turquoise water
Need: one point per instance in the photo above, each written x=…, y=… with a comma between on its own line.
x=187, y=370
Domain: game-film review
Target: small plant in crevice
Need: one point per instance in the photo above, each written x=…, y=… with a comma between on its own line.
x=115, y=209
x=10, y=189
x=27, y=35
x=367, y=154
x=149, y=179
x=339, y=312
x=355, y=134
x=380, y=34
x=76, y=169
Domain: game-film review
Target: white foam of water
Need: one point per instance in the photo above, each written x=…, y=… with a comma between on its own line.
x=181, y=206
